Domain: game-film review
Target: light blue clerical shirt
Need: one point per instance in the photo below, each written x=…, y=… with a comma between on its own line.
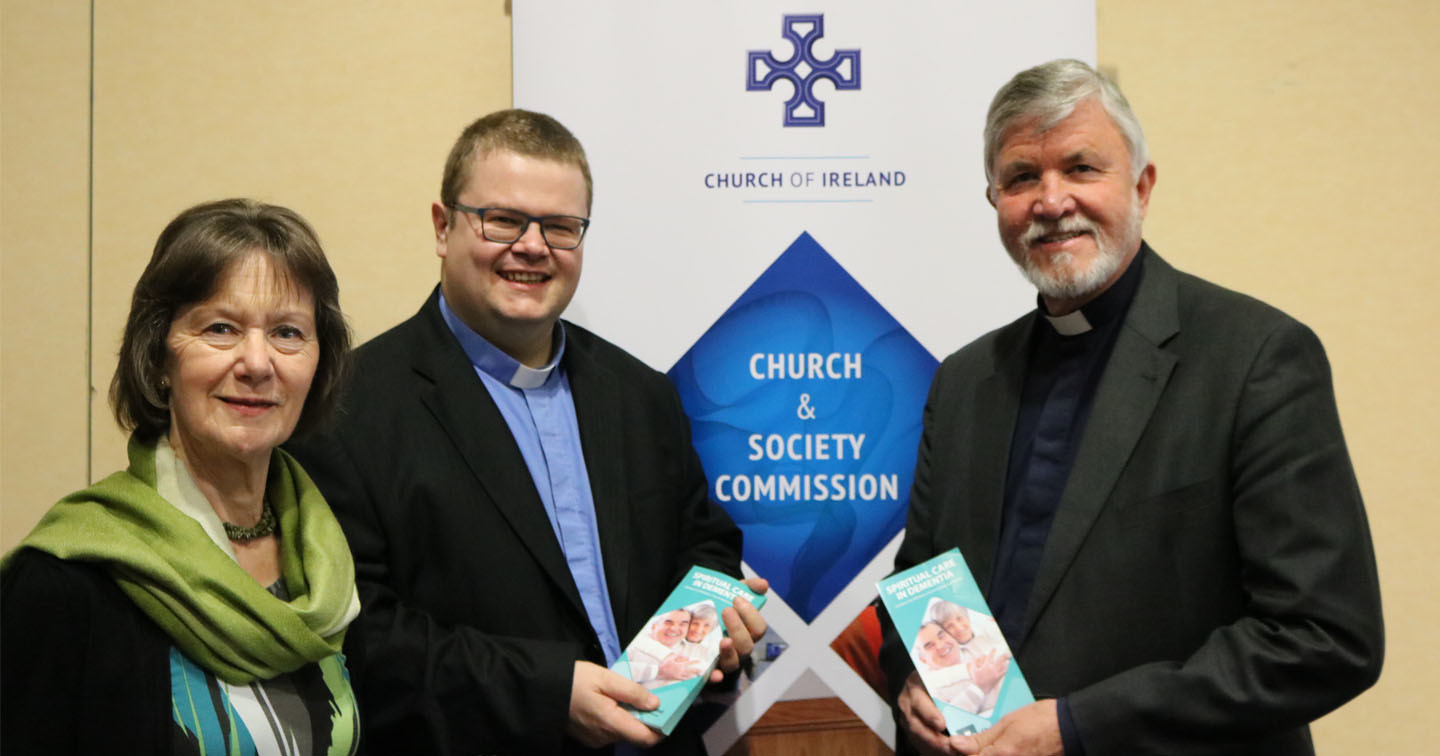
x=540, y=410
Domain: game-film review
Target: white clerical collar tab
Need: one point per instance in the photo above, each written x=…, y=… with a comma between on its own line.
x=1069, y=324
x=526, y=377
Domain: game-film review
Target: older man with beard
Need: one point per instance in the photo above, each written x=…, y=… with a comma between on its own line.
x=1146, y=474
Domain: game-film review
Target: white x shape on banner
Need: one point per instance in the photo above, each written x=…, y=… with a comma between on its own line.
x=809, y=648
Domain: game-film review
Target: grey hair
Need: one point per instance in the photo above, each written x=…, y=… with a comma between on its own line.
x=941, y=611
x=703, y=610
x=1048, y=94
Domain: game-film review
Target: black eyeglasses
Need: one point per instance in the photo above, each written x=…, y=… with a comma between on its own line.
x=505, y=226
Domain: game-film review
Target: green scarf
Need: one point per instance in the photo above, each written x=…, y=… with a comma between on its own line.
x=216, y=613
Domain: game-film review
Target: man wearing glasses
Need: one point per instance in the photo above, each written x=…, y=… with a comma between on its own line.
x=519, y=494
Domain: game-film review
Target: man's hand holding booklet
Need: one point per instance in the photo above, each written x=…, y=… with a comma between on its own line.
x=674, y=654
x=957, y=648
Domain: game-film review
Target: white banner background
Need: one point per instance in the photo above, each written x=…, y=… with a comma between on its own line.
x=656, y=92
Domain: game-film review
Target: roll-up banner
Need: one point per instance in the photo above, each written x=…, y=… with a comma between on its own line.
x=790, y=220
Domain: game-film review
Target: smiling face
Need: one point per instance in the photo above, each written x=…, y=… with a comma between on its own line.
x=670, y=628
x=958, y=627
x=937, y=648
x=511, y=294
x=1068, y=208
x=699, y=628
x=240, y=366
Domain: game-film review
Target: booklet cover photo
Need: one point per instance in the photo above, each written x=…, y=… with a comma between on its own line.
x=679, y=646
x=954, y=643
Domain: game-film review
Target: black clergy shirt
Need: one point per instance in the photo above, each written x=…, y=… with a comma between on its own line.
x=1067, y=357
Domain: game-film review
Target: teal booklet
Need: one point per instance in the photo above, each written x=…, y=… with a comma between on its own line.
x=677, y=649
x=954, y=643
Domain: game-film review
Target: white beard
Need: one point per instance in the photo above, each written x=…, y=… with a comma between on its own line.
x=1063, y=278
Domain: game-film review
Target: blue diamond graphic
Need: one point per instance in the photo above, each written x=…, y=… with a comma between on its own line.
x=805, y=399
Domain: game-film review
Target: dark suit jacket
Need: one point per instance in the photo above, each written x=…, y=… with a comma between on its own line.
x=1208, y=585
x=471, y=622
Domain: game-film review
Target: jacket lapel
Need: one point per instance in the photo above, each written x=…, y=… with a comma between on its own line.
x=997, y=407
x=1134, y=379
x=597, y=411
x=461, y=405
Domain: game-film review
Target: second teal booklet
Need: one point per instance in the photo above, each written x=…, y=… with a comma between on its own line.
x=679, y=645
x=954, y=643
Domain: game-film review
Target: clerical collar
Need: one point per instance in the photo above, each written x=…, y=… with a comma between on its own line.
x=1069, y=324
x=499, y=365
x=1111, y=303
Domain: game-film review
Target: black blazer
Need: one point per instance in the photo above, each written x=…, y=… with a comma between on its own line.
x=1208, y=585
x=91, y=674
x=471, y=622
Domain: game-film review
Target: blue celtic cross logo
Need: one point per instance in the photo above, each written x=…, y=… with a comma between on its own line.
x=803, y=70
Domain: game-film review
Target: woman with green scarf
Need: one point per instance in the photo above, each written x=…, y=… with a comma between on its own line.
x=196, y=602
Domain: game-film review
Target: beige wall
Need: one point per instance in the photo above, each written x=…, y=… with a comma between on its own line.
x=44, y=257
x=1294, y=144
x=345, y=116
